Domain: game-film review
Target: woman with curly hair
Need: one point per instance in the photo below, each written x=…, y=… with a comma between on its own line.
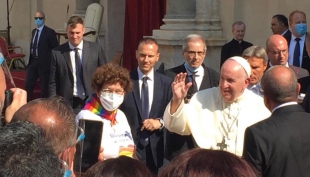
x=110, y=83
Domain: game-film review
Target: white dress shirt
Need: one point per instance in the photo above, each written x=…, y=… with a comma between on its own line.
x=150, y=84
x=292, y=48
x=72, y=57
x=284, y=104
x=199, y=75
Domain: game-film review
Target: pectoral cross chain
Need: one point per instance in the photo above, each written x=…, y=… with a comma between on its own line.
x=222, y=145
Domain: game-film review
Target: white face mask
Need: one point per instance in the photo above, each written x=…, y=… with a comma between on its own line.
x=111, y=101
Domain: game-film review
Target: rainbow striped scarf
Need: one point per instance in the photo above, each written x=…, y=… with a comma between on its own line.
x=93, y=105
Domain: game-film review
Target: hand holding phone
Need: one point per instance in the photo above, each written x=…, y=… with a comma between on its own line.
x=14, y=99
x=87, y=151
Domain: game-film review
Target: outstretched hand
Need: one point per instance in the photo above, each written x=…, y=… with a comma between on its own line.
x=179, y=91
x=179, y=88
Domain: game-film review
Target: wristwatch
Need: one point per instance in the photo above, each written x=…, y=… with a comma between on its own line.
x=162, y=123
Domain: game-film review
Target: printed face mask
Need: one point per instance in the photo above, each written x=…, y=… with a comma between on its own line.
x=111, y=101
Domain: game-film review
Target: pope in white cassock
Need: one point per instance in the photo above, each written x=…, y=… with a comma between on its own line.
x=217, y=117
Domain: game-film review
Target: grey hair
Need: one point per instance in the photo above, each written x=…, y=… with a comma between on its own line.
x=255, y=51
x=193, y=37
x=238, y=23
x=279, y=90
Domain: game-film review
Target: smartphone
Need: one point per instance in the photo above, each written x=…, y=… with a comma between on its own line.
x=87, y=151
x=8, y=98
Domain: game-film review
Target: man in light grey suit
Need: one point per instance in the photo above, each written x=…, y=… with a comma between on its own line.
x=72, y=65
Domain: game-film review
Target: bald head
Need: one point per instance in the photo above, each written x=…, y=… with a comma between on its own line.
x=277, y=50
x=234, y=79
x=55, y=117
x=279, y=84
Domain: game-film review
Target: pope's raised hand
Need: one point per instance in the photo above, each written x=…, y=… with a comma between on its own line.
x=179, y=88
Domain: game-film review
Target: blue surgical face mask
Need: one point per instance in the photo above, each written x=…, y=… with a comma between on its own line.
x=38, y=22
x=301, y=29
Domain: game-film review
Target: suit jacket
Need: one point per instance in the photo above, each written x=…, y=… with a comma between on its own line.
x=279, y=145
x=132, y=109
x=305, y=57
x=176, y=144
x=61, y=76
x=304, y=84
x=46, y=43
x=233, y=48
x=300, y=72
x=287, y=35
x=306, y=102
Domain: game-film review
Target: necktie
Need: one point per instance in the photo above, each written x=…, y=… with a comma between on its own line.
x=35, y=44
x=193, y=89
x=296, y=53
x=144, y=136
x=145, y=98
x=79, y=74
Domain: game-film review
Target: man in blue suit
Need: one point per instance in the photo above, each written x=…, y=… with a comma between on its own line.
x=145, y=105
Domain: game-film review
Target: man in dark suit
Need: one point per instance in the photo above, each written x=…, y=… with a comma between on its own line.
x=194, y=51
x=145, y=106
x=304, y=84
x=298, y=55
x=237, y=45
x=73, y=64
x=279, y=25
x=42, y=42
x=279, y=145
x=277, y=51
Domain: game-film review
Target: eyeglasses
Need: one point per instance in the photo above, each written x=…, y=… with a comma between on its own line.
x=193, y=53
x=119, y=92
x=36, y=18
x=278, y=52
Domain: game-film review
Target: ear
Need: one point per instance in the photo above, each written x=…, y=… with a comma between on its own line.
x=246, y=82
x=184, y=53
x=266, y=102
x=137, y=54
x=158, y=54
x=265, y=65
x=298, y=89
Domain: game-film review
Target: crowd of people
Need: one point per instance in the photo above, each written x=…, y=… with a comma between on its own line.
x=190, y=120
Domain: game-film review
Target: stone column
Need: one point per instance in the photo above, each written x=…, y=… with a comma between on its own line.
x=185, y=17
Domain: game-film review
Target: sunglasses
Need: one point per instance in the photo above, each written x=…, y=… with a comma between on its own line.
x=36, y=18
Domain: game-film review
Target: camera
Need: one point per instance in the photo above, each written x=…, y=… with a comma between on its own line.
x=8, y=98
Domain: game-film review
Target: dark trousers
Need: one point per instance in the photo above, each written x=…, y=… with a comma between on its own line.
x=146, y=156
x=78, y=104
x=35, y=72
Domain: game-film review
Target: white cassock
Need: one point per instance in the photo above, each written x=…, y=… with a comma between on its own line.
x=210, y=119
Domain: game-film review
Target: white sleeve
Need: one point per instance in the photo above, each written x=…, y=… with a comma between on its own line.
x=177, y=122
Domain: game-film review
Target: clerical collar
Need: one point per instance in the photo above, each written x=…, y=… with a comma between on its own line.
x=238, y=41
x=199, y=71
x=272, y=65
x=284, y=104
x=80, y=46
